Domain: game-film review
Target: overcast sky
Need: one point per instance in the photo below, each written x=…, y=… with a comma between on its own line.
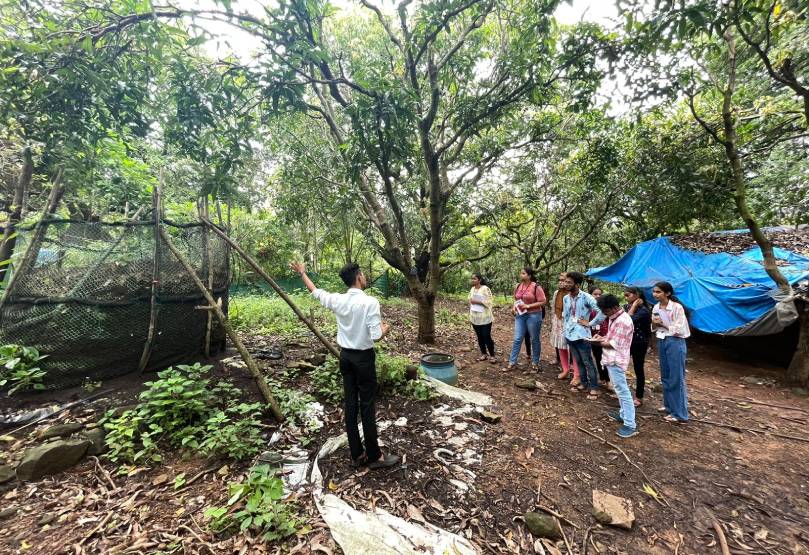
x=232, y=41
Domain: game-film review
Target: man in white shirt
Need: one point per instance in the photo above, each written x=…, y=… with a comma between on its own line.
x=359, y=324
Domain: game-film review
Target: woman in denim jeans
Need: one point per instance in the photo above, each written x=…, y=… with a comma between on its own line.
x=529, y=299
x=670, y=324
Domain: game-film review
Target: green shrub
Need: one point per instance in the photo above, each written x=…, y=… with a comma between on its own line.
x=270, y=315
x=296, y=407
x=184, y=409
x=327, y=382
x=391, y=375
x=19, y=368
x=256, y=504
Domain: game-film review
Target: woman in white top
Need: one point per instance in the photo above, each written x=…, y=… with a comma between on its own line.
x=480, y=314
x=670, y=324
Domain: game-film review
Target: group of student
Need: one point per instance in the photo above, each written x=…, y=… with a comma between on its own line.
x=595, y=337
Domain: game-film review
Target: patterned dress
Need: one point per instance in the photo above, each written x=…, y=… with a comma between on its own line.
x=557, y=337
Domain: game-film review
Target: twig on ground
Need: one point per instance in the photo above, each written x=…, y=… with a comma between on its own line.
x=62, y=409
x=643, y=472
x=96, y=529
x=564, y=536
x=723, y=542
x=199, y=475
x=765, y=404
x=735, y=427
x=104, y=473
x=557, y=515
x=199, y=539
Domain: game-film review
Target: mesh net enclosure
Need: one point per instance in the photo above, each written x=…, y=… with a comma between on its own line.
x=81, y=293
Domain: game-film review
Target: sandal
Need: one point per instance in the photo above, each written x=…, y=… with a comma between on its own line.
x=493, y=359
x=563, y=375
x=638, y=402
x=386, y=461
x=577, y=388
x=593, y=396
x=535, y=367
x=511, y=366
x=575, y=383
x=481, y=358
x=672, y=419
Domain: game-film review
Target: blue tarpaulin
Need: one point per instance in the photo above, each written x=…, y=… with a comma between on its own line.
x=725, y=293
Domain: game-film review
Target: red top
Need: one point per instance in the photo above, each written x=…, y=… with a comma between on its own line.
x=530, y=294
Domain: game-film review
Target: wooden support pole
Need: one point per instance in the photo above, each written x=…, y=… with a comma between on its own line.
x=237, y=342
x=209, y=274
x=157, y=214
x=253, y=264
x=35, y=242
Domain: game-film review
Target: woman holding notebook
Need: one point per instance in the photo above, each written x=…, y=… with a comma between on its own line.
x=529, y=298
x=480, y=314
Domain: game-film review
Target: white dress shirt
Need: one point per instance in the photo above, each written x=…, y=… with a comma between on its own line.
x=359, y=320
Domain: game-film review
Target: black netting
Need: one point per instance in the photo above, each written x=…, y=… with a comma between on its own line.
x=84, y=297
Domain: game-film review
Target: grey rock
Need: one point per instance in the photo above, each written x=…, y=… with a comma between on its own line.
x=318, y=359
x=613, y=510
x=490, y=417
x=752, y=380
x=411, y=371
x=802, y=391
x=542, y=526
x=47, y=518
x=51, y=458
x=530, y=385
x=96, y=438
x=6, y=473
x=60, y=430
x=7, y=512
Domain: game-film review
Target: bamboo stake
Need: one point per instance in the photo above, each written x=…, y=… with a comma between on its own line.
x=32, y=250
x=209, y=271
x=237, y=342
x=253, y=264
x=156, y=216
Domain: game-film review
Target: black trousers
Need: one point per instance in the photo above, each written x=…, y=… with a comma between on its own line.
x=485, y=341
x=638, y=351
x=359, y=385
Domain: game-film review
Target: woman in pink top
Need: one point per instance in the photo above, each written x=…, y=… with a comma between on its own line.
x=529, y=298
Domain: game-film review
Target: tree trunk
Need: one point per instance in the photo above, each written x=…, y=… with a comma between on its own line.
x=426, y=304
x=740, y=190
x=9, y=240
x=798, y=371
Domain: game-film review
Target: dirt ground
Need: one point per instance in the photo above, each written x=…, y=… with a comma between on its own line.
x=740, y=477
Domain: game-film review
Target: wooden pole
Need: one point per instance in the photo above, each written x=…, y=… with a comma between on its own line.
x=237, y=342
x=150, y=333
x=253, y=264
x=32, y=250
x=209, y=273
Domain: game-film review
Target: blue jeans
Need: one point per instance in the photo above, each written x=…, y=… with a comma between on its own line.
x=672, y=374
x=530, y=322
x=583, y=355
x=618, y=379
